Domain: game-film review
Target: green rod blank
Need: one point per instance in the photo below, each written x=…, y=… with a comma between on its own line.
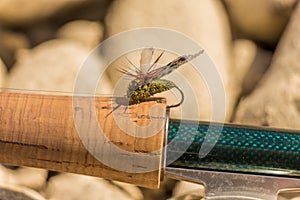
x=240, y=149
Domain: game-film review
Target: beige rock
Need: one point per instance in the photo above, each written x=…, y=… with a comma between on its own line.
x=186, y=190
x=53, y=66
x=29, y=193
x=10, y=43
x=260, y=20
x=163, y=192
x=89, y=33
x=24, y=176
x=244, y=52
x=276, y=101
x=20, y=12
x=289, y=195
x=2, y=74
x=256, y=71
x=71, y=186
x=252, y=61
x=205, y=22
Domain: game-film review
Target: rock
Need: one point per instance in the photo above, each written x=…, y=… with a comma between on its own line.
x=62, y=187
x=276, y=100
x=289, y=195
x=10, y=43
x=53, y=66
x=244, y=52
x=2, y=74
x=163, y=192
x=21, y=13
x=252, y=61
x=24, y=176
x=41, y=32
x=8, y=192
x=89, y=33
x=263, y=21
x=256, y=71
x=190, y=18
x=186, y=190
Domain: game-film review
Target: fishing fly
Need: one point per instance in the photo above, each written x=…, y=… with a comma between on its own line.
x=148, y=78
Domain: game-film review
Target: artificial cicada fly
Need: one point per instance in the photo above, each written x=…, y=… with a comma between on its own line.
x=147, y=79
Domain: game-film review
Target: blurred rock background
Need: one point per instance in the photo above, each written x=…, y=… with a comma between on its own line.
x=254, y=44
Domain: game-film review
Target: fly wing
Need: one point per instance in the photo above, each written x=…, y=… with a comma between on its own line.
x=145, y=61
x=167, y=69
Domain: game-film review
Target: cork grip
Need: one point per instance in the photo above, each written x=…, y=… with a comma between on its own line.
x=53, y=132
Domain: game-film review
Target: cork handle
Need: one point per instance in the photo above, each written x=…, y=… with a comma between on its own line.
x=59, y=133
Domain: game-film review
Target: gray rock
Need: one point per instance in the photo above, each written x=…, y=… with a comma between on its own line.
x=205, y=22
x=276, y=100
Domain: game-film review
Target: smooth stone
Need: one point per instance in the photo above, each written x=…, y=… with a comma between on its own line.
x=53, y=66
x=89, y=33
x=3, y=74
x=252, y=61
x=71, y=186
x=15, y=192
x=10, y=43
x=263, y=21
x=28, y=177
x=188, y=190
x=276, y=100
x=22, y=13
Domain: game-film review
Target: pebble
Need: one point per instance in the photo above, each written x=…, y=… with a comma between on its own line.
x=10, y=43
x=22, y=13
x=62, y=187
x=53, y=66
x=276, y=100
x=89, y=33
x=28, y=177
x=3, y=73
x=252, y=61
x=186, y=190
x=262, y=21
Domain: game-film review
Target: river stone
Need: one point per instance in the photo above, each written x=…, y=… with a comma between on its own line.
x=10, y=43
x=21, y=13
x=2, y=74
x=244, y=52
x=205, y=21
x=89, y=33
x=187, y=190
x=276, y=100
x=14, y=192
x=28, y=177
x=62, y=187
x=263, y=21
x=53, y=66
x=252, y=62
